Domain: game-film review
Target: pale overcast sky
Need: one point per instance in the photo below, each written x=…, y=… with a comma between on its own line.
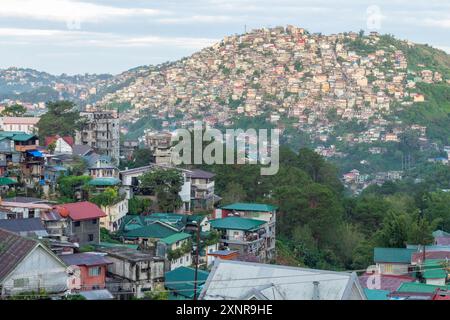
x=96, y=36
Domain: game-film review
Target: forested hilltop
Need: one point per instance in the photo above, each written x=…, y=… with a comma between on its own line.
x=320, y=227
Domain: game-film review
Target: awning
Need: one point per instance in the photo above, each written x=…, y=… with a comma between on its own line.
x=36, y=153
x=5, y=181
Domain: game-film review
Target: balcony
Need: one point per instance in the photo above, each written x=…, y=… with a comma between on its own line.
x=30, y=147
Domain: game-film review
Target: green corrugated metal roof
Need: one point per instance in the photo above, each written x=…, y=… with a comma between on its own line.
x=372, y=294
x=434, y=274
x=419, y=287
x=5, y=181
x=175, y=237
x=152, y=231
x=393, y=255
x=176, y=281
x=22, y=137
x=236, y=223
x=250, y=207
x=104, y=182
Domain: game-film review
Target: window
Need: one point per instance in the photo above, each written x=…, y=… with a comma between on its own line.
x=77, y=223
x=20, y=283
x=94, y=271
x=31, y=214
x=90, y=237
x=94, y=221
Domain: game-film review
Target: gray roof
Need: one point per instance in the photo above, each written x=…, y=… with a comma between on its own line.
x=237, y=280
x=80, y=149
x=200, y=174
x=85, y=259
x=129, y=254
x=24, y=227
x=26, y=200
x=13, y=249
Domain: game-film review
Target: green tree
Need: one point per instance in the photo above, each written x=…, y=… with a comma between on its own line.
x=15, y=110
x=165, y=184
x=61, y=118
x=234, y=192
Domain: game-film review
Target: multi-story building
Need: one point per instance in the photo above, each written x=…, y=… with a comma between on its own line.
x=19, y=156
x=160, y=144
x=202, y=189
x=101, y=133
x=24, y=124
x=83, y=222
x=133, y=271
x=248, y=228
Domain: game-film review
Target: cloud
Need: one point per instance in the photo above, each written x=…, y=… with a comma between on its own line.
x=67, y=38
x=440, y=23
x=197, y=19
x=69, y=10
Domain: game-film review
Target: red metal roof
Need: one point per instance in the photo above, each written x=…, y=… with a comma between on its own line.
x=83, y=210
x=418, y=257
x=386, y=282
x=51, y=139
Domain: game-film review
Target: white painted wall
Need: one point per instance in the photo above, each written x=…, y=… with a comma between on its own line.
x=42, y=270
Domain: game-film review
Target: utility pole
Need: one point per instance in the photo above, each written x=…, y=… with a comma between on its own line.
x=196, y=260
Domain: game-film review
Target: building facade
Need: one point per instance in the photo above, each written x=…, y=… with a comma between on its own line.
x=101, y=133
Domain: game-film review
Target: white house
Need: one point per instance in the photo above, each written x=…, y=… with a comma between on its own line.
x=114, y=215
x=24, y=124
x=27, y=265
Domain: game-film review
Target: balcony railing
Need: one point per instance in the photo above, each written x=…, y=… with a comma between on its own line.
x=25, y=148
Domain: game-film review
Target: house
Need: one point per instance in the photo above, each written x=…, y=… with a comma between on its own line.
x=416, y=291
x=25, y=124
x=63, y=145
x=83, y=219
x=177, y=249
x=258, y=212
x=202, y=189
x=395, y=261
x=55, y=224
x=180, y=283
x=145, y=232
x=132, y=272
x=27, y=265
x=20, y=157
x=115, y=214
x=25, y=207
x=91, y=268
x=247, y=236
x=434, y=272
x=237, y=280
x=31, y=227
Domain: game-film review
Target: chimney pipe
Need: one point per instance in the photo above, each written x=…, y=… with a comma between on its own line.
x=316, y=290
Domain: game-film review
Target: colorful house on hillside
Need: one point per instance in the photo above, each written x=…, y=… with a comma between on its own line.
x=180, y=283
x=177, y=249
x=393, y=261
x=416, y=291
x=83, y=221
x=257, y=212
x=90, y=267
x=62, y=145
x=27, y=265
x=145, y=232
x=247, y=236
